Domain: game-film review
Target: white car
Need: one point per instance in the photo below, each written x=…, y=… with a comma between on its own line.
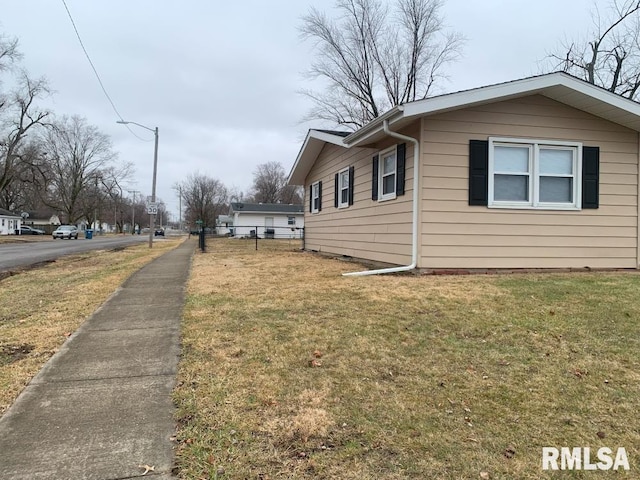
x=66, y=231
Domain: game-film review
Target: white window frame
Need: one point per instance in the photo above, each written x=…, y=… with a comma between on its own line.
x=315, y=197
x=385, y=153
x=342, y=188
x=534, y=146
x=291, y=220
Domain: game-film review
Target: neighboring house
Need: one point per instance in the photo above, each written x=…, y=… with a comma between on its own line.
x=224, y=225
x=275, y=220
x=46, y=222
x=535, y=173
x=9, y=222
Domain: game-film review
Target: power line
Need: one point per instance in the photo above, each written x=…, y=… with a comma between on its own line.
x=97, y=75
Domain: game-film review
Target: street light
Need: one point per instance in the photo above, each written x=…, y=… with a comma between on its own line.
x=152, y=216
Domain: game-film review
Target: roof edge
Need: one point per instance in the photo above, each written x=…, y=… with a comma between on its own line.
x=309, y=151
x=374, y=125
x=488, y=93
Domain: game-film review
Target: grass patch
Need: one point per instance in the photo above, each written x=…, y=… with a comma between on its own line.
x=40, y=308
x=290, y=370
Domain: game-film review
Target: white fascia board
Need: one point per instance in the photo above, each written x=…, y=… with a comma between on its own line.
x=494, y=93
x=373, y=127
x=518, y=88
x=309, y=151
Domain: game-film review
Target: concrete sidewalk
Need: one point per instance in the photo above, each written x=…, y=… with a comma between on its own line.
x=101, y=407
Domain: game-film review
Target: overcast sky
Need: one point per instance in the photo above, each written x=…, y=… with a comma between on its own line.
x=219, y=78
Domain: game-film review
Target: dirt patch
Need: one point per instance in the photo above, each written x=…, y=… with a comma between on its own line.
x=10, y=353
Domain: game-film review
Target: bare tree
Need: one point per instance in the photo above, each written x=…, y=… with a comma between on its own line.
x=111, y=179
x=204, y=198
x=610, y=55
x=9, y=52
x=25, y=183
x=18, y=117
x=374, y=59
x=77, y=154
x=270, y=185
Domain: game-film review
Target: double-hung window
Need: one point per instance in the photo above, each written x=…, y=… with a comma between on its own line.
x=315, y=197
x=387, y=175
x=534, y=174
x=343, y=188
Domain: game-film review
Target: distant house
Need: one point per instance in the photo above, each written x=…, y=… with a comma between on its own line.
x=9, y=222
x=542, y=172
x=224, y=225
x=46, y=221
x=267, y=220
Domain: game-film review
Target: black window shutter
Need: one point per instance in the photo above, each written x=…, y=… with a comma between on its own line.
x=401, y=155
x=351, y=184
x=336, y=191
x=320, y=195
x=311, y=198
x=374, y=179
x=478, y=172
x=590, y=177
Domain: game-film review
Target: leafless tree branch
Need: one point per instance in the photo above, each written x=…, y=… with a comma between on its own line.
x=610, y=57
x=373, y=59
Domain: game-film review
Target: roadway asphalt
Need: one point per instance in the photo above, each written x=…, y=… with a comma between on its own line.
x=37, y=249
x=101, y=407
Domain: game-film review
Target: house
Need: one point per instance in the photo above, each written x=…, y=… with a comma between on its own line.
x=224, y=225
x=9, y=222
x=46, y=221
x=267, y=220
x=540, y=172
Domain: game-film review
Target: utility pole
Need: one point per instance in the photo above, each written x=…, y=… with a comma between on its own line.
x=152, y=208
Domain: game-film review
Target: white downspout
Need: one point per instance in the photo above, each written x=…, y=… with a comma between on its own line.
x=414, y=232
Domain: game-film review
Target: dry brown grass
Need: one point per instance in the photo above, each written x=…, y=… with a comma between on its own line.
x=290, y=370
x=40, y=308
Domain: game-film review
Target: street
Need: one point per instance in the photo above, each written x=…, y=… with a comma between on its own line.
x=21, y=254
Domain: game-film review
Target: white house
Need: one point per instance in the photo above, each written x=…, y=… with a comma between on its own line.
x=9, y=222
x=224, y=225
x=267, y=220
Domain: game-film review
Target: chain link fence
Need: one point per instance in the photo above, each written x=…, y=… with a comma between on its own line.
x=254, y=238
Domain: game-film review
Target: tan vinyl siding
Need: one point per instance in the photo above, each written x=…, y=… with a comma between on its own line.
x=370, y=229
x=456, y=235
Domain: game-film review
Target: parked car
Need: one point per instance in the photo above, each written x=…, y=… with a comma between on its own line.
x=26, y=230
x=66, y=231
x=159, y=232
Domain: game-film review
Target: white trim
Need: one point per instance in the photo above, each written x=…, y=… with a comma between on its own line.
x=311, y=148
x=315, y=195
x=341, y=188
x=389, y=196
x=558, y=85
x=534, y=202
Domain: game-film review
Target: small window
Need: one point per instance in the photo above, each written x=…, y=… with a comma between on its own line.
x=534, y=174
x=291, y=220
x=315, y=197
x=387, y=177
x=343, y=188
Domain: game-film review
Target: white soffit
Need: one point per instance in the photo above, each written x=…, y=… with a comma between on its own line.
x=557, y=86
x=311, y=148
